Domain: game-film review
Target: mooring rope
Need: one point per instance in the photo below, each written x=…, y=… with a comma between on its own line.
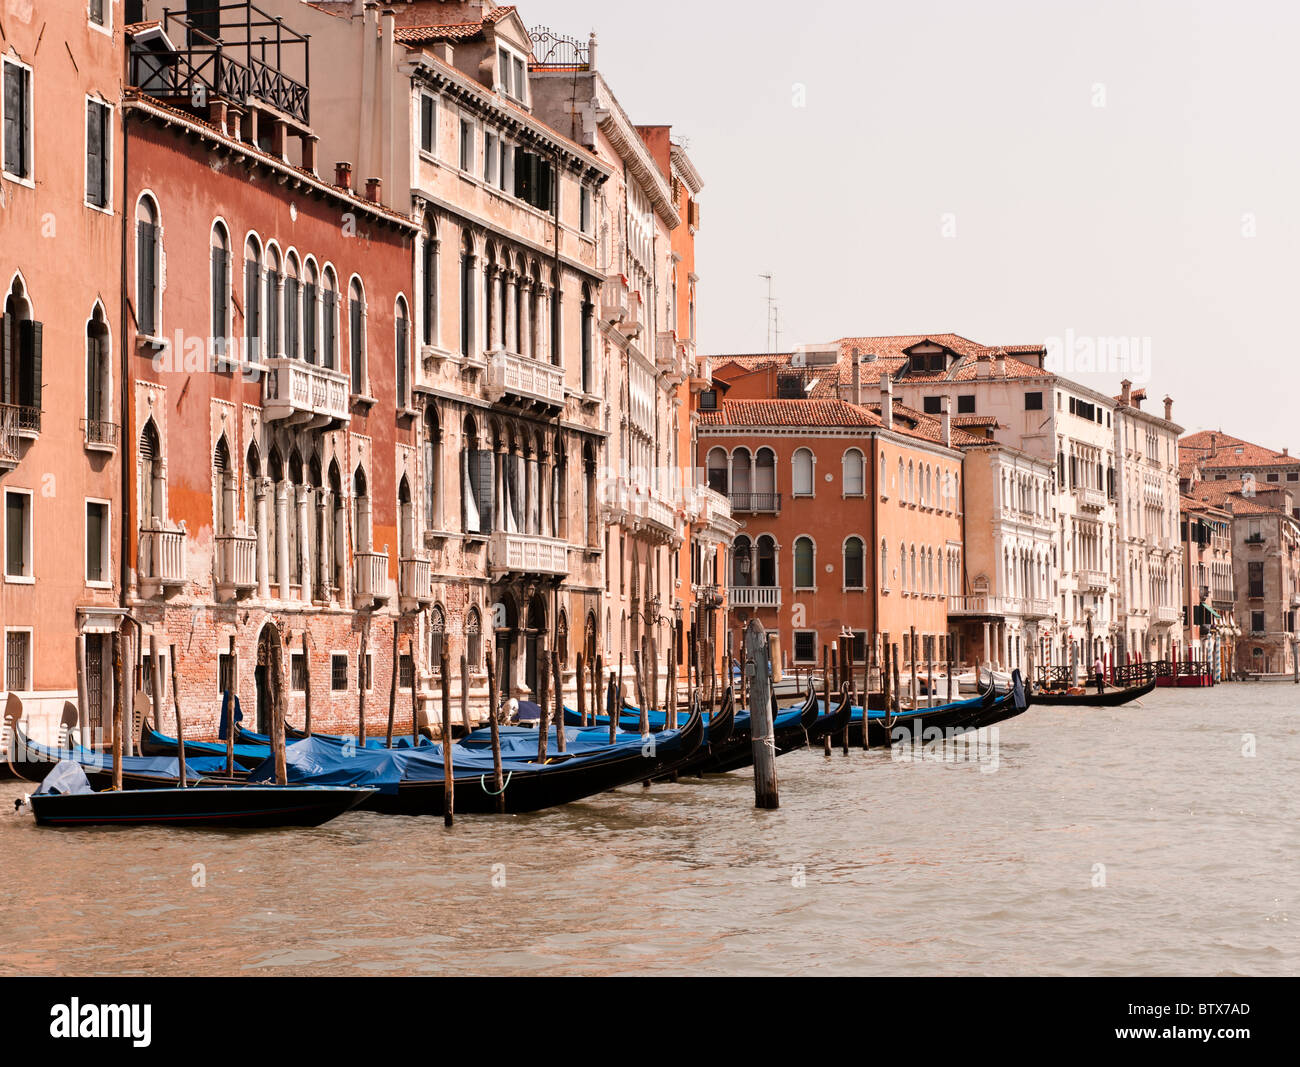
x=482, y=781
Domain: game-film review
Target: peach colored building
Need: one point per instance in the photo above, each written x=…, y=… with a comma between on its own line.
x=62, y=328
x=849, y=516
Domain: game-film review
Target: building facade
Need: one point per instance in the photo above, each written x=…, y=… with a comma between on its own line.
x=62, y=328
x=1209, y=613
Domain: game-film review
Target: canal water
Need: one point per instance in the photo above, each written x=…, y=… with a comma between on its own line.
x=1152, y=839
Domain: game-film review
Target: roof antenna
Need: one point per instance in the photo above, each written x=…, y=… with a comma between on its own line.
x=771, y=311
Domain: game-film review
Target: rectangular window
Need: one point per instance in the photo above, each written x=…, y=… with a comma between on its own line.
x=96, y=541
x=1257, y=622
x=99, y=136
x=491, y=158
x=805, y=646
x=709, y=400
x=428, y=122
x=97, y=12
x=466, y=145
x=18, y=535
x=1033, y=401
x=298, y=672
x=225, y=673
x=370, y=671
x=339, y=672
x=932, y=405
x=966, y=405
x=1256, y=579
x=357, y=349
x=405, y=671
x=17, y=120
x=18, y=660
x=584, y=210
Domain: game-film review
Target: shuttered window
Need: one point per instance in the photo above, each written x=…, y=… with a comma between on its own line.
x=403, y=357
x=427, y=115
x=17, y=120
x=291, y=317
x=356, y=340
x=309, y=350
x=220, y=298
x=146, y=277
x=329, y=348
x=18, y=517
x=98, y=137
x=252, y=309
x=96, y=540
x=30, y=360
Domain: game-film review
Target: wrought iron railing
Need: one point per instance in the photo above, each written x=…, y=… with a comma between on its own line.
x=99, y=434
x=232, y=50
x=556, y=51
x=755, y=502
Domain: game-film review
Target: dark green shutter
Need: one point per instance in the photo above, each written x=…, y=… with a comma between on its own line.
x=29, y=380
x=483, y=490
x=7, y=358
x=94, y=401
x=94, y=154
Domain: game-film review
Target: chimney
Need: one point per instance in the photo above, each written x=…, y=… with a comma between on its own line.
x=945, y=421
x=1000, y=363
x=886, y=400
x=1125, y=392
x=856, y=393
x=445, y=51
x=982, y=366
x=1213, y=445
x=1169, y=409
x=343, y=175
x=591, y=51
x=373, y=188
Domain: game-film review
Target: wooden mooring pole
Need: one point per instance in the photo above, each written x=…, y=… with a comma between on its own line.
x=118, y=710
x=497, y=787
x=392, y=691
x=176, y=703
x=363, y=680
x=763, y=741
x=448, y=771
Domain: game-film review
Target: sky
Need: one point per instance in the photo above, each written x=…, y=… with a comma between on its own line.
x=1115, y=179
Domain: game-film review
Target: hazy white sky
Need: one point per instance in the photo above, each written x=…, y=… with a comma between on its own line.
x=1009, y=171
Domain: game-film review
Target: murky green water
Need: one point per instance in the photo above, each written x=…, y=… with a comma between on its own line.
x=872, y=864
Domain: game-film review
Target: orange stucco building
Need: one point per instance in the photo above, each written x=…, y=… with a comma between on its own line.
x=850, y=515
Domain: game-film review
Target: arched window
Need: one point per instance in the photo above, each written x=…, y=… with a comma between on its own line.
x=252, y=299
x=854, y=572
x=220, y=286
x=429, y=281
x=590, y=505
x=766, y=560
x=765, y=477
x=292, y=307
x=405, y=520
x=587, y=341
x=311, y=313
x=329, y=338
x=152, y=503
x=437, y=634
x=224, y=489
x=432, y=469
x=360, y=512
x=902, y=567
x=884, y=486
x=742, y=479
x=716, y=470
x=911, y=482
x=100, y=429
x=148, y=242
x=357, y=336
x=401, y=343
x=884, y=564
x=271, y=306
x=742, y=562
x=467, y=296
x=476, y=480
x=805, y=554
x=854, y=474
x=914, y=585
x=338, y=540
x=801, y=479
x=902, y=484
x=474, y=639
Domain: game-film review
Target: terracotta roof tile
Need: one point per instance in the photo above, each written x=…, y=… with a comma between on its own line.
x=451, y=31
x=1196, y=446
x=788, y=413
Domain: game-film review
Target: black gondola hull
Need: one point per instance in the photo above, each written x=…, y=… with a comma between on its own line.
x=219, y=807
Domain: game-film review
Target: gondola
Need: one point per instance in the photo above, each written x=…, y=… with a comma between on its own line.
x=881, y=726
x=1109, y=698
x=790, y=730
x=32, y=761
x=410, y=781
x=247, y=755
x=212, y=807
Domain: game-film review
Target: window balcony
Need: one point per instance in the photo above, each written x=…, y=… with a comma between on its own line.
x=614, y=299
x=1089, y=498
x=633, y=324
x=755, y=503
x=670, y=356
x=1093, y=580
x=708, y=595
x=235, y=565
x=303, y=394
x=413, y=583
x=10, y=447
x=370, y=577
x=160, y=563
x=99, y=436
x=754, y=596
x=981, y=604
x=659, y=512
x=1164, y=613
x=513, y=375
x=528, y=554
